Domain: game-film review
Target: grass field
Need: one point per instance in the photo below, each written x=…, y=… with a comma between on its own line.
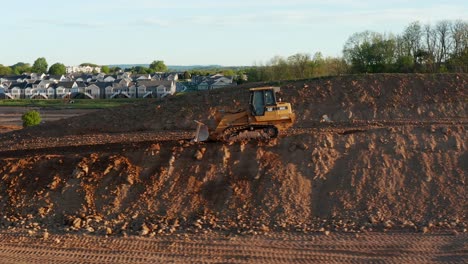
x=74, y=104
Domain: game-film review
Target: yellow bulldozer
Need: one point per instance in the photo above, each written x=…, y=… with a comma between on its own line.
x=265, y=119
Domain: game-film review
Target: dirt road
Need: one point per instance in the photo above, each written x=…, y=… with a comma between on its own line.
x=19, y=247
x=10, y=117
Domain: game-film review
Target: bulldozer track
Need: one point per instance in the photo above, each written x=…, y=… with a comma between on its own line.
x=12, y=146
x=228, y=248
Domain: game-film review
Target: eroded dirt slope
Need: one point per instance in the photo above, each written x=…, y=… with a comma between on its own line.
x=394, y=156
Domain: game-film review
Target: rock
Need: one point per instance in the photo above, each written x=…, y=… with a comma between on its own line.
x=302, y=146
x=130, y=179
x=325, y=118
x=264, y=228
x=77, y=223
x=388, y=224
x=145, y=230
x=85, y=168
x=198, y=155
x=78, y=173
x=45, y=235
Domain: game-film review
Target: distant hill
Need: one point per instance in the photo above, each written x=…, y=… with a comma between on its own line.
x=193, y=67
x=176, y=67
x=127, y=66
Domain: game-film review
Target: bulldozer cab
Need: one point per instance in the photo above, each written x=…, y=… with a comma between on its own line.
x=260, y=98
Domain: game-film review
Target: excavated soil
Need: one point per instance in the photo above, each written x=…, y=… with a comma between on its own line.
x=390, y=154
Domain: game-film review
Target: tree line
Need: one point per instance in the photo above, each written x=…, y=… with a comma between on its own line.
x=40, y=65
x=442, y=47
x=438, y=48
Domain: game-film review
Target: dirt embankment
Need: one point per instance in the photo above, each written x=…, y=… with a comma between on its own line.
x=408, y=174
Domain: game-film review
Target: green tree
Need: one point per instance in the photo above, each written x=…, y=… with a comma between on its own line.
x=228, y=72
x=88, y=64
x=277, y=69
x=370, y=52
x=5, y=70
x=57, y=69
x=139, y=70
x=31, y=118
x=299, y=63
x=40, y=65
x=116, y=69
x=105, y=69
x=404, y=64
x=335, y=66
x=20, y=68
x=187, y=75
x=158, y=66
x=412, y=38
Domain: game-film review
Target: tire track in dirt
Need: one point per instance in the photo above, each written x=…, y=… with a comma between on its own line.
x=95, y=142
x=217, y=247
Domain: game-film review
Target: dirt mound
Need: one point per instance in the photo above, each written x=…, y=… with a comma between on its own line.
x=344, y=98
x=320, y=177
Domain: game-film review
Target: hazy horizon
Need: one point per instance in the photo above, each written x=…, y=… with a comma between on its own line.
x=205, y=32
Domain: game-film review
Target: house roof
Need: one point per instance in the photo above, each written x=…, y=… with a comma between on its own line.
x=14, y=77
x=82, y=84
x=64, y=84
x=84, y=76
x=153, y=83
x=102, y=84
x=55, y=77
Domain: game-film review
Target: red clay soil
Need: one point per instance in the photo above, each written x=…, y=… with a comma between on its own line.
x=392, y=157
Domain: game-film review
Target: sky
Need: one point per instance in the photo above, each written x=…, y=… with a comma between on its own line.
x=199, y=32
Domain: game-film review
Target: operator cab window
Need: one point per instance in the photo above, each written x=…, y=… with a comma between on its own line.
x=260, y=99
x=269, y=97
x=258, y=103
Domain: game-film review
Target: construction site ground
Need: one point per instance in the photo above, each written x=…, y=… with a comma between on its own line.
x=373, y=170
x=289, y=247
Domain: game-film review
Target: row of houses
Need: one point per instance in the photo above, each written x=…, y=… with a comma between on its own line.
x=100, y=77
x=104, y=86
x=211, y=82
x=85, y=90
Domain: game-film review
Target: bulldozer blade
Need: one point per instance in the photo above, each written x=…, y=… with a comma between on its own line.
x=201, y=133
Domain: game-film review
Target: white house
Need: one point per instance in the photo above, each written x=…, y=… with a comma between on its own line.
x=85, y=69
x=16, y=92
x=64, y=89
x=5, y=93
x=156, y=88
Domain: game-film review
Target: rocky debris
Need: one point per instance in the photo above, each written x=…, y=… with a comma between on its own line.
x=135, y=178
x=325, y=118
x=145, y=230
x=198, y=155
